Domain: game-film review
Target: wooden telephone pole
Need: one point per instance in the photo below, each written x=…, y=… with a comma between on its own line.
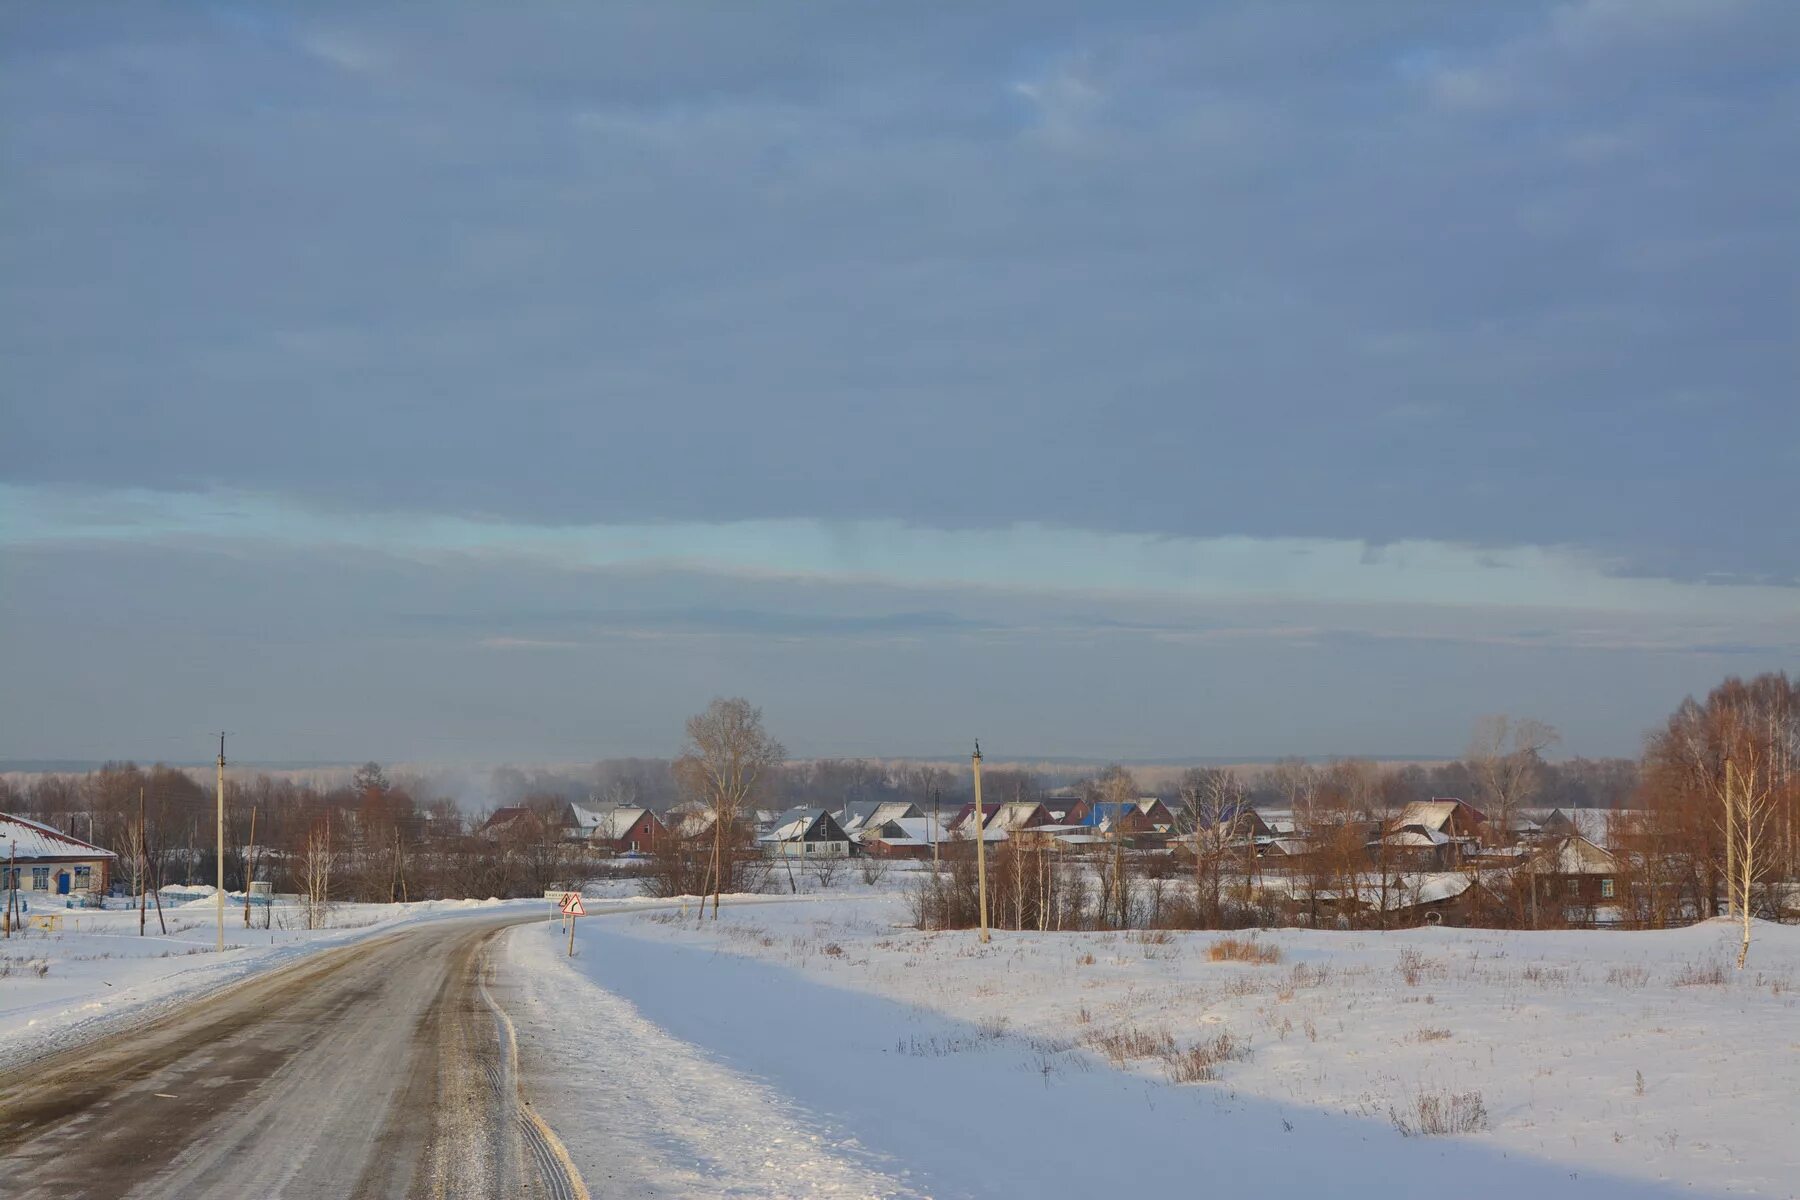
x=249, y=863
x=937, y=823
x=980, y=844
x=142, y=870
x=220, y=898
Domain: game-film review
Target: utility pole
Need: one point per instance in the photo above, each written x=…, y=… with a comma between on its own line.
x=143, y=863
x=936, y=824
x=980, y=844
x=12, y=886
x=220, y=897
x=249, y=858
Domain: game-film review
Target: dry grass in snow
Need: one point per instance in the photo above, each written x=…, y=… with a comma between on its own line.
x=1643, y=1055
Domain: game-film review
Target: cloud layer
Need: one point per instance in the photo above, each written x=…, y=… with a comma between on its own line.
x=1433, y=340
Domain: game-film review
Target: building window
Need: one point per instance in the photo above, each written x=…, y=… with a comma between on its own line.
x=1606, y=889
x=1572, y=886
x=40, y=879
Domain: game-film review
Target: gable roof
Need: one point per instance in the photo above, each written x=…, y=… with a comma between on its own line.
x=34, y=839
x=1558, y=822
x=1104, y=814
x=798, y=823
x=610, y=824
x=908, y=831
x=866, y=814
x=1417, y=837
x=1000, y=814
x=502, y=817
x=1574, y=855
x=1435, y=813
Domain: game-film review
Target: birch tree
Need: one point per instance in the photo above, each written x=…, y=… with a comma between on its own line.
x=1749, y=815
x=315, y=872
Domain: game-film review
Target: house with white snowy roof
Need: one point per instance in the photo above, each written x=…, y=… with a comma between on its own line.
x=40, y=862
x=859, y=815
x=806, y=833
x=621, y=828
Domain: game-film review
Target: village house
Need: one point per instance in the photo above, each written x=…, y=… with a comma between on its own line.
x=1060, y=802
x=1442, y=814
x=1007, y=816
x=1575, y=879
x=904, y=837
x=1397, y=901
x=1161, y=819
x=1126, y=820
x=511, y=823
x=858, y=815
x=1433, y=834
x=622, y=829
x=42, y=862
x=806, y=833
x=1557, y=825
x=1416, y=847
x=1239, y=833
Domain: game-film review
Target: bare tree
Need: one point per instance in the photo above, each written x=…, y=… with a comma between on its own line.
x=1507, y=758
x=1213, y=798
x=1297, y=782
x=1118, y=790
x=729, y=760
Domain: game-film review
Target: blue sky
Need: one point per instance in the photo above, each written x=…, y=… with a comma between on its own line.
x=1138, y=380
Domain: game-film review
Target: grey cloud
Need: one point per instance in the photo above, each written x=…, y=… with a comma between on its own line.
x=538, y=624
x=658, y=261
x=120, y=650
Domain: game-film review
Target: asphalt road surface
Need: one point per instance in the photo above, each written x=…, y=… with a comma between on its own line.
x=383, y=1069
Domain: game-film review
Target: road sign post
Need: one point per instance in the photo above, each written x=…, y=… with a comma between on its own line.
x=572, y=908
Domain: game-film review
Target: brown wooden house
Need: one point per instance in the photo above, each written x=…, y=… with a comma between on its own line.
x=1575, y=877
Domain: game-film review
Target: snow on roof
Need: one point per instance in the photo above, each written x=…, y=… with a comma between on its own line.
x=35, y=840
x=907, y=831
x=608, y=823
x=1417, y=837
x=692, y=823
x=1574, y=855
x=1013, y=814
x=794, y=823
x=1427, y=814
x=1402, y=891
x=1433, y=888
x=867, y=814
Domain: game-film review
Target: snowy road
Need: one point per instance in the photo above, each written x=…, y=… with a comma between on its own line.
x=383, y=1069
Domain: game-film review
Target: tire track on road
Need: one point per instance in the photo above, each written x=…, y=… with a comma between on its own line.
x=555, y=1168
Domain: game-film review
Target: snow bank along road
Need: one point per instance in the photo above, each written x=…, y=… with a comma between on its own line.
x=384, y=1068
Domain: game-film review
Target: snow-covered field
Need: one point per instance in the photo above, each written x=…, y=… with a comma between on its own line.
x=822, y=1047
x=95, y=971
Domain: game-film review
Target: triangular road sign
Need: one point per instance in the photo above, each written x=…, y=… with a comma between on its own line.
x=572, y=905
